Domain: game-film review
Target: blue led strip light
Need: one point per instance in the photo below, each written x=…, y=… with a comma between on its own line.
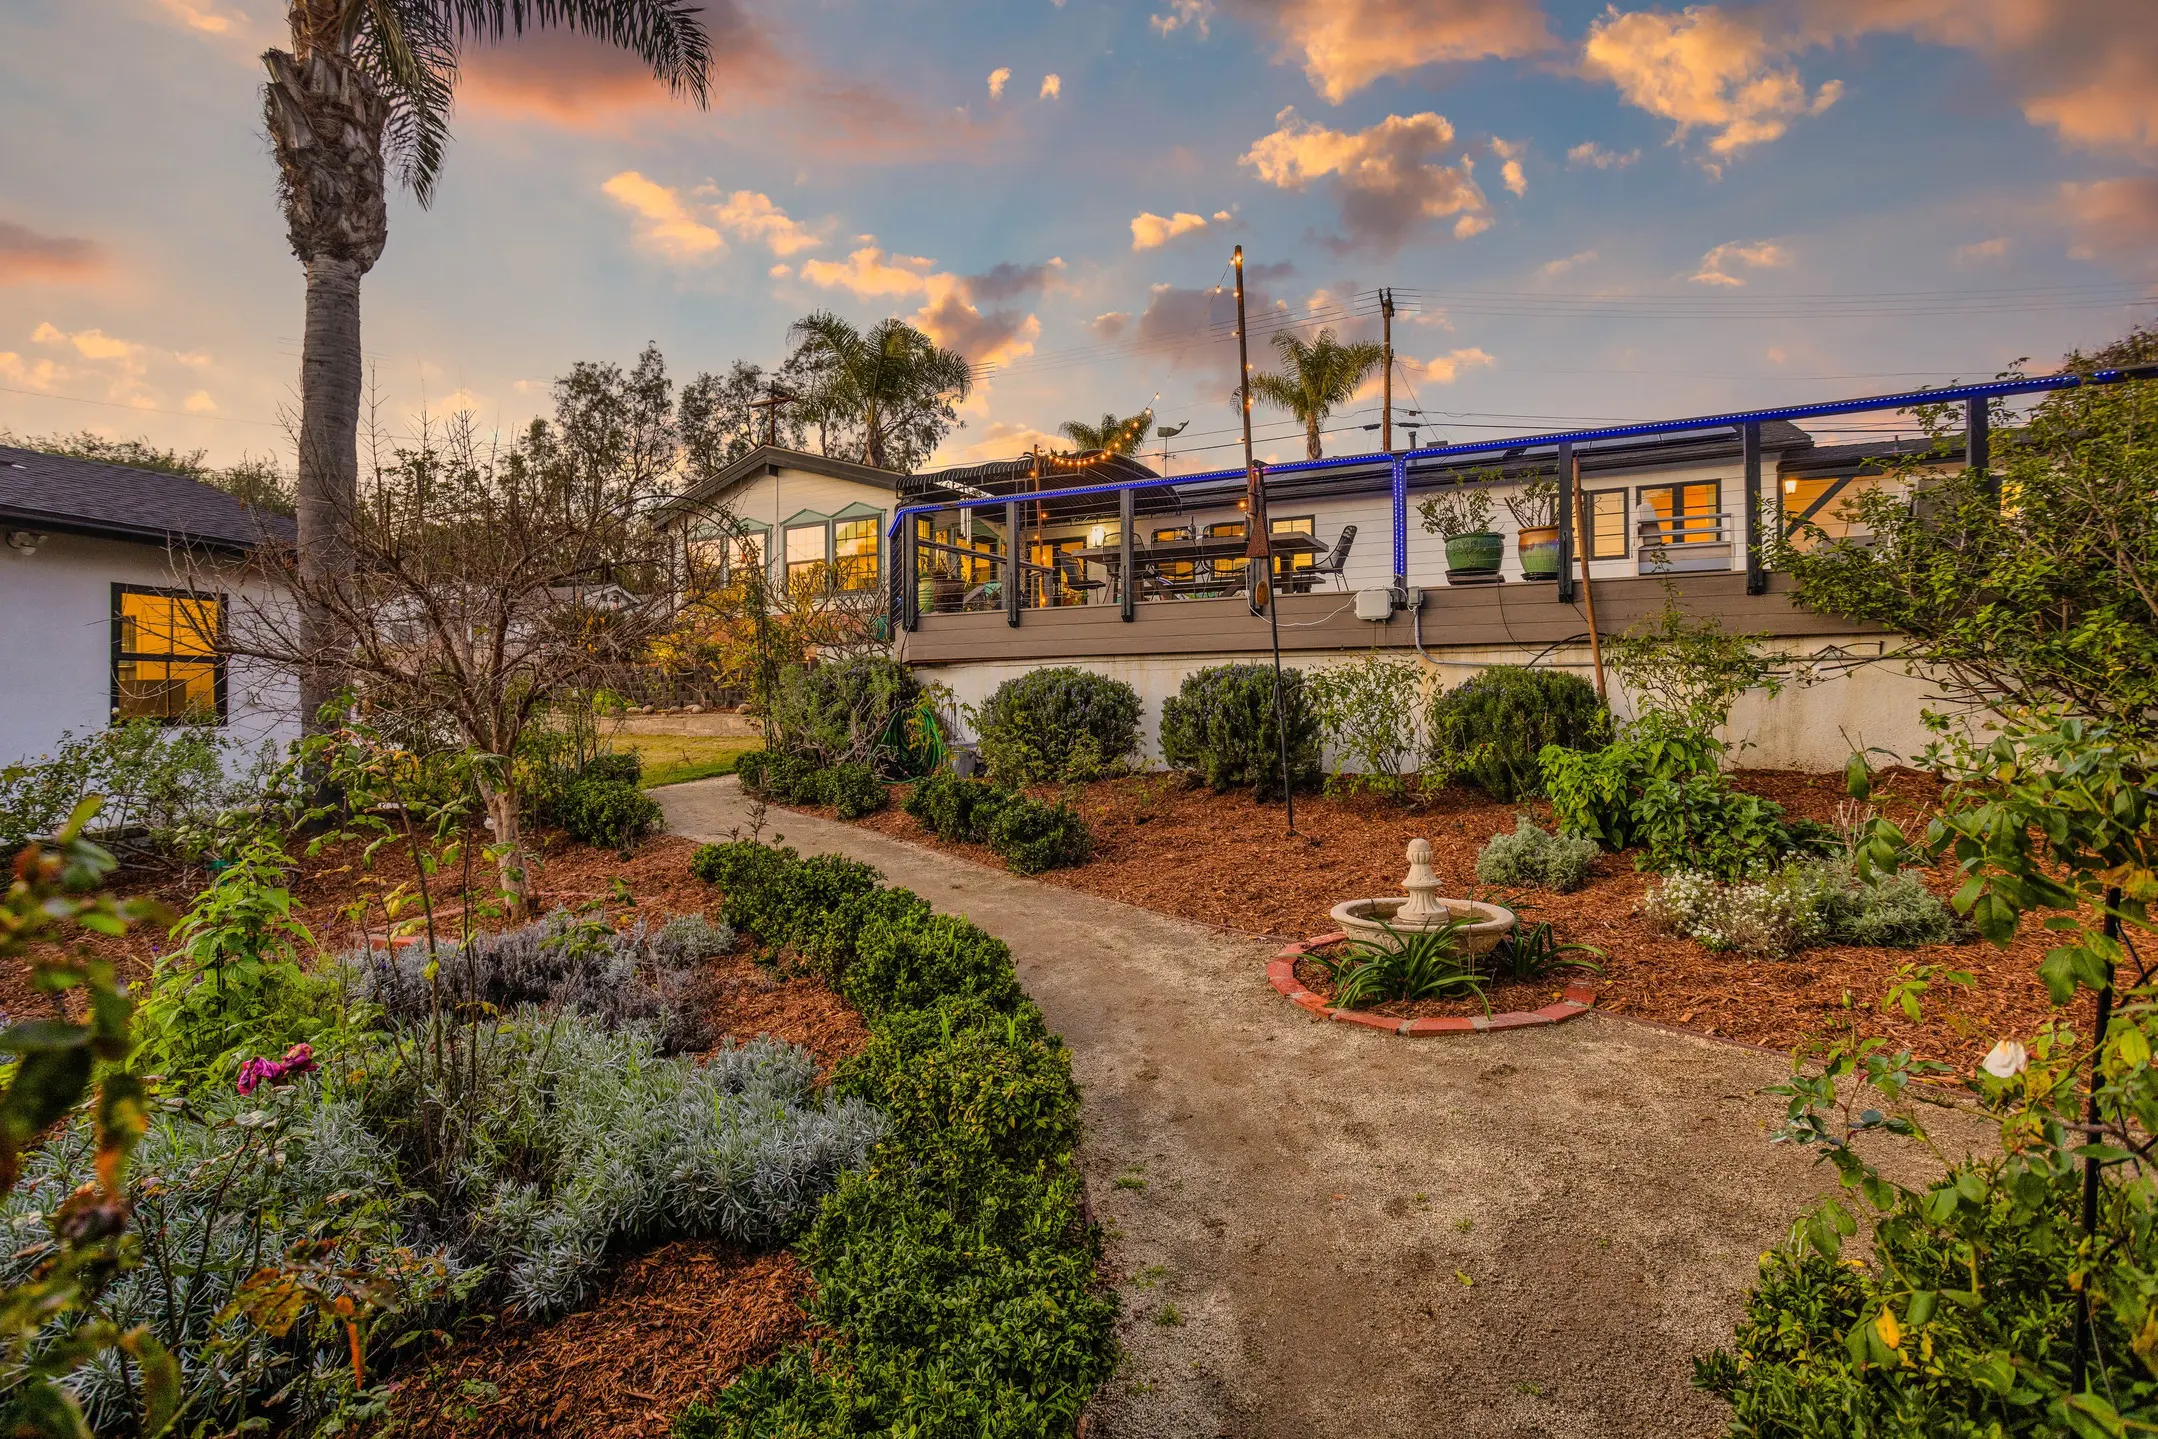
x=1907, y=399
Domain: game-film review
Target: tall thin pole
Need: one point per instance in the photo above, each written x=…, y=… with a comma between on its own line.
x=1386, y=332
x=1588, y=592
x=1259, y=544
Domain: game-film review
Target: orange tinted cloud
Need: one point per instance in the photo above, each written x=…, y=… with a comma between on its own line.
x=1344, y=45
x=665, y=222
x=1754, y=254
x=26, y=254
x=575, y=81
x=2116, y=221
x=1703, y=69
x=1389, y=178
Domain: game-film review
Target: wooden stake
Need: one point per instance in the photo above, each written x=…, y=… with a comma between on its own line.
x=1588, y=593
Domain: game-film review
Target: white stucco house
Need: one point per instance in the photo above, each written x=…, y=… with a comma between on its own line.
x=115, y=584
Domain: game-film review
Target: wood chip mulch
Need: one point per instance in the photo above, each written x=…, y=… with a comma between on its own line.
x=670, y=1327
x=1224, y=860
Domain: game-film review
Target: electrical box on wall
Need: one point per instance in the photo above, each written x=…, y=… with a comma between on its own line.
x=1375, y=605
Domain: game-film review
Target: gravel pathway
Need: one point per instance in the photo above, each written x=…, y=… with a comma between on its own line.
x=1319, y=1230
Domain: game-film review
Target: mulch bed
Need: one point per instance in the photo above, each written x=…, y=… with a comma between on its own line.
x=670, y=1327
x=1224, y=860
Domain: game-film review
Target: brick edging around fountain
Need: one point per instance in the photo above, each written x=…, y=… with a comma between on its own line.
x=1578, y=999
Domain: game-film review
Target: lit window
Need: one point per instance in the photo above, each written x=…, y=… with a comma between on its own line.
x=1293, y=525
x=1681, y=514
x=749, y=550
x=1607, y=525
x=164, y=655
x=855, y=543
x=805, y=552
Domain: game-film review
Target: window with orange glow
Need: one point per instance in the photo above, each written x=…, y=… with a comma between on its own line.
x=165, y=664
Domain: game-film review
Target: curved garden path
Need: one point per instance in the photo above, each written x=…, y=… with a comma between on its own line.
x=1321, y=1230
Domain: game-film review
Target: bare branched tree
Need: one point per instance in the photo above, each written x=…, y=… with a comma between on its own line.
x=480, y=586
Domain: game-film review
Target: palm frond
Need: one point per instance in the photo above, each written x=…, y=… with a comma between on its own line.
x=665, y=34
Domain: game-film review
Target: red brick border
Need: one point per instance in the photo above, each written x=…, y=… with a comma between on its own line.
x=1579, y=998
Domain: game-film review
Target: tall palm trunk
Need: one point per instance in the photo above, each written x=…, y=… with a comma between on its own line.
x=1311, y=438
x=325, y=119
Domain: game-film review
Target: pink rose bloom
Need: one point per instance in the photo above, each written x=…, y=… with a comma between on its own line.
x=300, y=1059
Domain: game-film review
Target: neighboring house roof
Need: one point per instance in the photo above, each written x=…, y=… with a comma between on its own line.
x=1866, y=457
x=771, y=460
x=89, y=497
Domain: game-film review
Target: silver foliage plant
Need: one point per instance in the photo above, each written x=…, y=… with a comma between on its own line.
x=642, y=975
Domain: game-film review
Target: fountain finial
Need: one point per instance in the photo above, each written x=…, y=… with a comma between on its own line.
x=1422, y=885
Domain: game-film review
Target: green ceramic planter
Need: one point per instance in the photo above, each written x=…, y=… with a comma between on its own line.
x=1539, y=547
x=1477, y=554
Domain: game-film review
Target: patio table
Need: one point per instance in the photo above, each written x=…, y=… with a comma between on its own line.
x=1148, y=559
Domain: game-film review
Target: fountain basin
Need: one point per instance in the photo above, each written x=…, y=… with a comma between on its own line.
x=1361, y=919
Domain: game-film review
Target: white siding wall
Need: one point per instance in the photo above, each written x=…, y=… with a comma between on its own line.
x=1807, y=727
x=56, y=647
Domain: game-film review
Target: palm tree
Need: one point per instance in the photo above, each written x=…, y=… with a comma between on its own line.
x=368, y=83
x=1316, y=378
x=1112, y=435
x=891, y=382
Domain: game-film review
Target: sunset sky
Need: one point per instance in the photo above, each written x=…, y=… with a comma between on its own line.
x=1588, y=213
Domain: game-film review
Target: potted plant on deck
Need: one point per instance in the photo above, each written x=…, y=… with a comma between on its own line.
x=939, y=589
x=1461, y=515
x=1536, y=517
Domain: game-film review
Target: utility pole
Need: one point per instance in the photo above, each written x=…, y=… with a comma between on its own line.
x=1258, y=543
x=1386, y=331
x=774, y=398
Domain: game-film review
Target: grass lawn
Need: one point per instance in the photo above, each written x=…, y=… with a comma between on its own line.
x=673, y=758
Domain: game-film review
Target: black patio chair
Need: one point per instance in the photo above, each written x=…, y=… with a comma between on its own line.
x=1337, y=558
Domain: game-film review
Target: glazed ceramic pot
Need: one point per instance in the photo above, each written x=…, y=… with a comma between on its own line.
x=1539, y=547
x=1475, y=554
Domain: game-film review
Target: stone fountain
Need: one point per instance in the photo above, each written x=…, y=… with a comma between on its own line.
x=1422, y=909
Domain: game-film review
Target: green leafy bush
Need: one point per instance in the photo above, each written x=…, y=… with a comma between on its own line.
x=168, y=780
x=1368, y=712
x=1658, y=786
x=751, y=769
x=956, y=1291
x=1803, y=904
x=623, y=767
x=1492, y=729
x=957, y=809
x=788, y=776
x=1058, y=724
x=1531, y=858
x=854, y=790
x=1033, y=837
x=1220, y=725
x=606, y=812
x=846, y=711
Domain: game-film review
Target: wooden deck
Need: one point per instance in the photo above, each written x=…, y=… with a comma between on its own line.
x=1502, y=614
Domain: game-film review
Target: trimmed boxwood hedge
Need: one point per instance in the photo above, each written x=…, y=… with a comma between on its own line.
x=956, y=1285
x=1220, y=726
x=1030, y=835
x=1059, y=723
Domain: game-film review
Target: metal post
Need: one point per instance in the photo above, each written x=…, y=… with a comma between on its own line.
x=2079, y=1359
x=1750, y=443
x=1011, y=563
x=1566, y=525
x=1588, y=591
x=908, y=572
x=1127, y=520
x=1401, y=521
x=1978, y=443
x=1386, y=343
x=1258, y=544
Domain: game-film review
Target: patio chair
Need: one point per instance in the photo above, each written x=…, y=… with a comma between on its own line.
x=1336, y=559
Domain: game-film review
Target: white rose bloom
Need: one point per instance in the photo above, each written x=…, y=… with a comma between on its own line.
x=2005, y=1060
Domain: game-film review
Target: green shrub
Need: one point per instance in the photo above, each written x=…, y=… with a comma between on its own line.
x=788, y=776
x=1414, y=964
x=957, y=809
x=1805, y=903
x=956, y=1289
x=1492, y=729
x=1058, y=724
x=846, y=711
x=1220, y=725
x=751, y=770
x=166, y=779
x=854, y=790
x=1033, y=837
x=1658, y=786
x=1530, y=858
x=1368, y=712
x=623, y=767
x=607, y=813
